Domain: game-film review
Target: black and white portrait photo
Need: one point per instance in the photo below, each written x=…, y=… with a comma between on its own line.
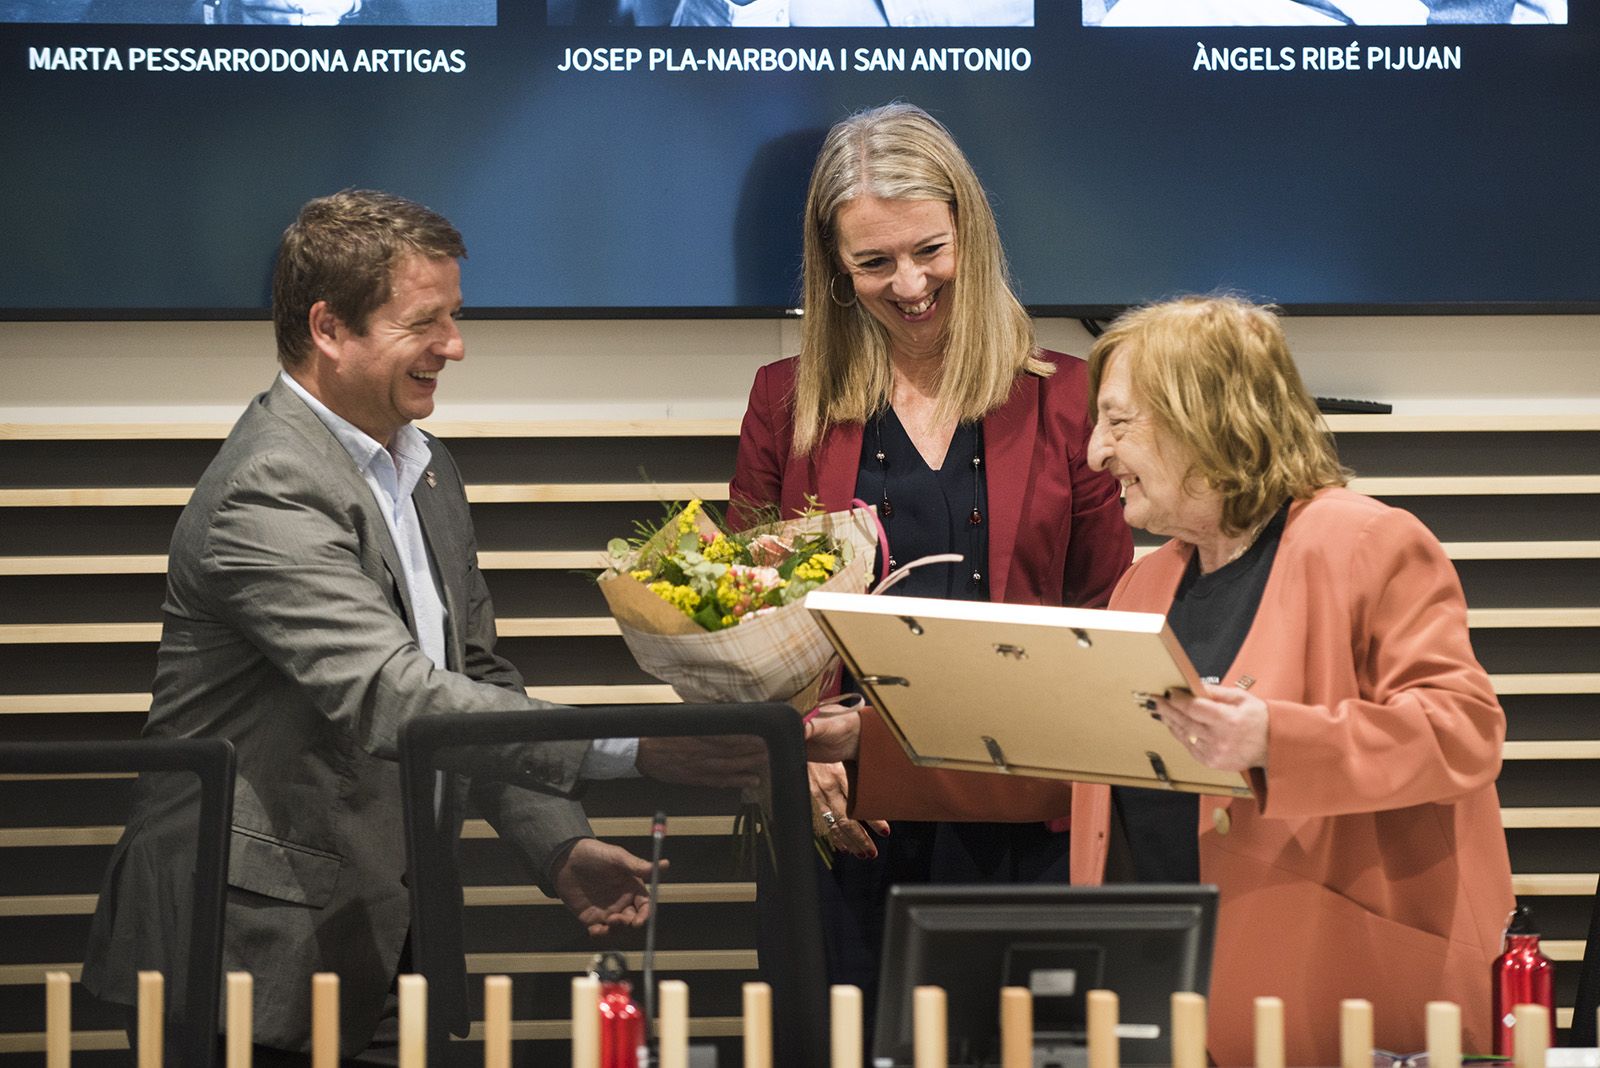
x=255, y=12
x=783, y=13
x=1322, y=12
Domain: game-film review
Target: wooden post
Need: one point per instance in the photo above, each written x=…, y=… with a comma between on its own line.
x=930, y=1034
x=241, y=988
x=1016, y=1027
x=1104, y=1048
x=585, y=1021
x=1269, y=1033
x=1530, y=1036
x=1188, y=1030
x=57, y=1019
x=1355, y=1033
x=757, y=1025
x=413, y=1021
x=844, y=1010
x=1444, y=1034
x=152, y=1019
x=324, y=1020
x=672, y=995
x=496, y=1021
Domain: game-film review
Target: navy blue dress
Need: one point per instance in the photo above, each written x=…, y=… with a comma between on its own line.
x=927, y=512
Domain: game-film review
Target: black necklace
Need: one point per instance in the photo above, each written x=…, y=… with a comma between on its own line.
x=974, y=520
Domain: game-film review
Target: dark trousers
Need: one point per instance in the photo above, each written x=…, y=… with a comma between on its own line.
x=267, y=1057
x=384, y=1049
x=855, y=893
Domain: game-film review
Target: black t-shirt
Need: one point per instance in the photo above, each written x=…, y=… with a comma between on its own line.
x=1210, y=616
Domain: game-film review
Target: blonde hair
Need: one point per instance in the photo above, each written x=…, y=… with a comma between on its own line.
x=900, y=152
x=1215, y=373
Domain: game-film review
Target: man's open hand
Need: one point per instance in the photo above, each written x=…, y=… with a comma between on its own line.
x=604, y=885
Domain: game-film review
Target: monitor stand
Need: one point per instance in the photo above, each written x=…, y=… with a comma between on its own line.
x=1047, y=1053
x=1055, y=1053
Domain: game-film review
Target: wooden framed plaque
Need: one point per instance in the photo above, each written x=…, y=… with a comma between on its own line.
x=1021, y=689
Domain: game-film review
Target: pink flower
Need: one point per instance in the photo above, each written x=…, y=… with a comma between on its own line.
x=769, y=549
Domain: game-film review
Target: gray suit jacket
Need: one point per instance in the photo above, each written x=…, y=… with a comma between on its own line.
x=287, y=633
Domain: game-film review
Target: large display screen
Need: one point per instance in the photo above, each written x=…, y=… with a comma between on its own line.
x=618, y=157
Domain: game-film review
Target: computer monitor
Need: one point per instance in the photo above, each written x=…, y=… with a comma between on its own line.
x=1143, y=942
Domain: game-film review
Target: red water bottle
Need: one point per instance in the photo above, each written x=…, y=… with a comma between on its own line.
x=621, y=1021
x=1522, y=976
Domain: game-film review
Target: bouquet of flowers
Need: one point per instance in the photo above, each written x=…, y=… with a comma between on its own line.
x=719, y=614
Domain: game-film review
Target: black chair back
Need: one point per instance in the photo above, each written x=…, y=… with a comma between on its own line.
x=790, y=937
x=211, y=762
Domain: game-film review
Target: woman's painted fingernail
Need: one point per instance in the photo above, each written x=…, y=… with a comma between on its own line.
x=1156, y=716
x=1150, y=704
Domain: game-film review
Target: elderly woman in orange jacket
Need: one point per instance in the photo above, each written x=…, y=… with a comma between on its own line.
x=1370, y=861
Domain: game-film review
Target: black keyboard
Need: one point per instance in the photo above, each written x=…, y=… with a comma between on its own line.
x=1346, y=406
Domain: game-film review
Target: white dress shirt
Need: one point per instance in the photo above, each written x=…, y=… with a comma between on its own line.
x=392, y=474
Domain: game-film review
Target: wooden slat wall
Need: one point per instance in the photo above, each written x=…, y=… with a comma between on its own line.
x=86, y=510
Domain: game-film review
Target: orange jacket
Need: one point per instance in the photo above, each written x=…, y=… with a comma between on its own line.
x=1371, y=861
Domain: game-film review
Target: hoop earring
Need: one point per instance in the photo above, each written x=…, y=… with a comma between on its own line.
x=833, y=293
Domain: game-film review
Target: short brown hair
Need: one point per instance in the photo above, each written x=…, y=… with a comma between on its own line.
x=900, y=152
x=1216, y=373
x=343, y=249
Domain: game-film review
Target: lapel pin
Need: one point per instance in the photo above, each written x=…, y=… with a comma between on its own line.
x=433, y=480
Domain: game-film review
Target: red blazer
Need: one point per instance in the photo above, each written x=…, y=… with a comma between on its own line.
x=1056, y=534
x=1371, y=861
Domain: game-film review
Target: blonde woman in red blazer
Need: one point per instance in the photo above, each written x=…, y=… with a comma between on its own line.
x=920, y=387
x=1370, y=861
x=909, y=314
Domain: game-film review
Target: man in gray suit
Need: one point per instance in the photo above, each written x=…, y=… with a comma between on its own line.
x=323, y=588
